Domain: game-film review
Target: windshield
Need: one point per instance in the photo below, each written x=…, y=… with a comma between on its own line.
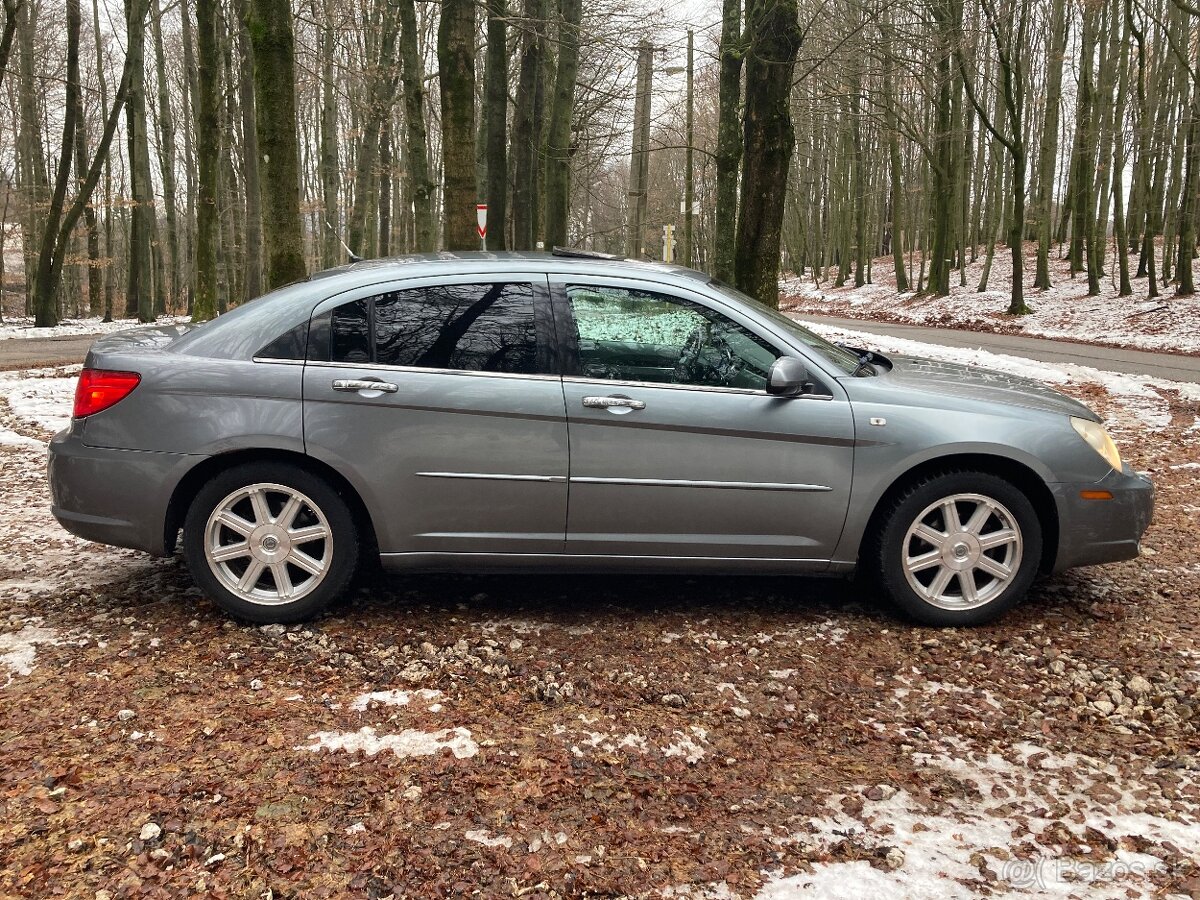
x=843, y=359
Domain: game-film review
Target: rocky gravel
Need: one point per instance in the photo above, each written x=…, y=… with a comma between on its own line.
x=617, y=736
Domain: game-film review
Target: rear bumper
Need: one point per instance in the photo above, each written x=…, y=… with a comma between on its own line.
x=1092, y=532
x=116, y=497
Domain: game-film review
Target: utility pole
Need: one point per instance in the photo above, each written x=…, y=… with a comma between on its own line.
x=639, y=159
x=689, y=189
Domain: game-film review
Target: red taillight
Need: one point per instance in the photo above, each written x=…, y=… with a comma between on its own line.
x=99, y=389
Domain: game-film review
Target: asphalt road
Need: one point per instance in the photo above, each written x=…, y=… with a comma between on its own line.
x=1173, y=367
x=22, y=353
x=26, y=352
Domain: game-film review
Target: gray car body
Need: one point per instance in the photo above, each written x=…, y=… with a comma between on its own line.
x=489, y=471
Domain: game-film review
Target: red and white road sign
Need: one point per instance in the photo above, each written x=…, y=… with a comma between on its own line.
x=481, y=217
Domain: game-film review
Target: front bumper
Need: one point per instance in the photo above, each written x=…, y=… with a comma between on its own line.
x=1092, y=532
x=116, y=497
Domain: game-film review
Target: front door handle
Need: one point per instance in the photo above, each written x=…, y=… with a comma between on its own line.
x=351, y=385
x=612, y=403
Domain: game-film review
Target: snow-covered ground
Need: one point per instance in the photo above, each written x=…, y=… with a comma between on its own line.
x=23, y=327
x=1064, y=311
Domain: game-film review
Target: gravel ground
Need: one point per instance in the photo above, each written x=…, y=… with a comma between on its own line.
x=539, y=737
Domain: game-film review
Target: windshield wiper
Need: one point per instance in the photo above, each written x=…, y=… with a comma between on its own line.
x=865, y=360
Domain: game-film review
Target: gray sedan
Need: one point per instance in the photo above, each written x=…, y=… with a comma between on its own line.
x=563, y=413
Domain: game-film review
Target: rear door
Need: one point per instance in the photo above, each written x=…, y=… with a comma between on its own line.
x=440, y=400
x=676, y=448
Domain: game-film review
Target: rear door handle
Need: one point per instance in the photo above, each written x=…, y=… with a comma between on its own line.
x=612, y=403
x=351, y=385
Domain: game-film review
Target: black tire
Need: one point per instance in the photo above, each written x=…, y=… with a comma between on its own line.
x=339, y=558
x=892, y=544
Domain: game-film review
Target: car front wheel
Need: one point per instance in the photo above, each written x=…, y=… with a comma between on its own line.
x=270, y=543
x=960, y=548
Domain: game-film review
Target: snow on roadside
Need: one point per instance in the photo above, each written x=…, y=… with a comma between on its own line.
x=40, y=397
x=1142, y=395
x=23, y=327
x=1064, y=311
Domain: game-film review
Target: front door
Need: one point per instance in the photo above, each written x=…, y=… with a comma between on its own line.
x=438, y=400
x=676, y=448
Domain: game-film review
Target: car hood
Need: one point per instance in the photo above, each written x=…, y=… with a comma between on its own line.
x=978, y=383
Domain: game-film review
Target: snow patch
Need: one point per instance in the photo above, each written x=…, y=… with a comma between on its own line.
x=409, y=742
x=480, y=836
x=392, y=698
x=18, y=650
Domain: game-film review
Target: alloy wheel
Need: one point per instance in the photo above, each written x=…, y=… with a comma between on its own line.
x=962, y=552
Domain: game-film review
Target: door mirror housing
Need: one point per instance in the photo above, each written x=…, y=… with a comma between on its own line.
x=788, y=377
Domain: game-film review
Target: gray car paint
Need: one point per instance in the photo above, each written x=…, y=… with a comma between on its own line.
x=748, y=458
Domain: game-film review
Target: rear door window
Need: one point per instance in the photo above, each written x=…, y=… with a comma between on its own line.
x=467, y=327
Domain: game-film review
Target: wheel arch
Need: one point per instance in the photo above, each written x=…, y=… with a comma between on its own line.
x=1015, y=472
x=196, y=477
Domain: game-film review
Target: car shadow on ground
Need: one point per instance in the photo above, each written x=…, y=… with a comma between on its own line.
x=166, y=588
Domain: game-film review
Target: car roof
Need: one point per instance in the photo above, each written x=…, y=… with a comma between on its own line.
x=465, y=262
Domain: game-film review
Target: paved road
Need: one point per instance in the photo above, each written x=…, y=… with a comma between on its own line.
x=1132, y=362
x=23, y=352
x=20, y=353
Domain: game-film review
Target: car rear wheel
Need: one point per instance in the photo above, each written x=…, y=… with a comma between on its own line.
x=270, y=543
x=960, y=548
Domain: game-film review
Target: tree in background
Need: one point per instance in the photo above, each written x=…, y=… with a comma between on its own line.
x=270, y=26
x=456, y=69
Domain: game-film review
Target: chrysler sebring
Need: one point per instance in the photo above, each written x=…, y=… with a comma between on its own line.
x=566, y=413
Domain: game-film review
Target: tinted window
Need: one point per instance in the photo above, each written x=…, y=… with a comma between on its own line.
x=632, y=335
x=471, y=327
x=289, y=345
x=351, y=331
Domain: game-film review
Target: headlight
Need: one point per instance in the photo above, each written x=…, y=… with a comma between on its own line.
x=1098, y=440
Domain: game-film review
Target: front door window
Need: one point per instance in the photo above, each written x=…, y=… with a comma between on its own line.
x=634, y=335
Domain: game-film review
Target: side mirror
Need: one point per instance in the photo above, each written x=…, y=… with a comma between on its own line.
x=788, y=377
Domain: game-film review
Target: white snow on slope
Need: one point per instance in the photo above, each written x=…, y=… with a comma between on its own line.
x=1164, y=323
x=17, y=328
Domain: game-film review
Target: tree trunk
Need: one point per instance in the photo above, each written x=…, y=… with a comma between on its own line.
x=496, y=85
x=275, y=107
x=768, y=141
x=91, y=227
x=558, y=141
x=45, y=306
x=166, y=125
x=456, y=73
x=379, y=102
x=1056, y=43
x=729, y=141
x=252, y=274
x=420, y=186
x=208, y=159
x=525, y=135
x=139, y=298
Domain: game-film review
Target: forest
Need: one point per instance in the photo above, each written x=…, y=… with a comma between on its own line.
x=188, y=155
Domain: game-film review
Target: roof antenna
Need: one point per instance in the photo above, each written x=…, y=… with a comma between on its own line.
x=354, y=257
